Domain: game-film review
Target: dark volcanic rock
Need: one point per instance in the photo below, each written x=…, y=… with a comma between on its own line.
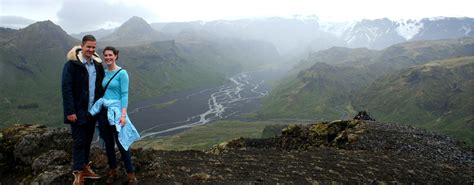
x=413, y=142
x=32, y=144
x=51, y=159
x=338, y=151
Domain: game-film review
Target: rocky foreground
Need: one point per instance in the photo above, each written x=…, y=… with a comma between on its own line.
x=338, y=151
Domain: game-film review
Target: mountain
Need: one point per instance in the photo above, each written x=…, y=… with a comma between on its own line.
x=337, y=56
x=436, y=95
x=381, y=33
x=31, y=65
x=378, y=33
x=226, y=54
x=285, y=34
x=134, y=31
x=412, y=53
x=6, y=34
x=322, y=92
x=232, y=54
x=177, y=27
x=45, y=33
x=337, y=77
x=98, y=34
x=445, y=28
x=298, y=36
x=160, y=67
x=302, y=154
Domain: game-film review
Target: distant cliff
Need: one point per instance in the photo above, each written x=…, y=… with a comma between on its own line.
x=338, y=151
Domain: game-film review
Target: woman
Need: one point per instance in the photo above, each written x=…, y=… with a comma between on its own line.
x=117, y=127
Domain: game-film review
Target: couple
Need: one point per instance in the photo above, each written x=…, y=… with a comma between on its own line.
x=86, y=89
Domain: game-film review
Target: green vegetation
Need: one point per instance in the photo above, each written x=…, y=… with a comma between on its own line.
x=31, y=62
x=437, y=96
x=205, y=136
x=158, y=69
x=322, y=92
x=405, y=83
x=163, y=105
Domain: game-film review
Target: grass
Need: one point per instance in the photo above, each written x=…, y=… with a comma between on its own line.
x=205, y=136
x=166, y=104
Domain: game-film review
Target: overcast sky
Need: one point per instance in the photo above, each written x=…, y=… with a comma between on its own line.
x=76, y=16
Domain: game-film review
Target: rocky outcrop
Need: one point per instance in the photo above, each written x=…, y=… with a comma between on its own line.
x=338, y=151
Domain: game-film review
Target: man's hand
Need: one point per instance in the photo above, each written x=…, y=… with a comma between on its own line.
x=71, y=118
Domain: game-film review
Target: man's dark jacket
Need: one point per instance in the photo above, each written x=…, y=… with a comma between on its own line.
x=75, y=86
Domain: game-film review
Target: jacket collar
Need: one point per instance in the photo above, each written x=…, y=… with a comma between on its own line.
x=75, y=54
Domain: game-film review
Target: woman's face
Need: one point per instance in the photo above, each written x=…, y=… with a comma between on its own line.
x=110, y=57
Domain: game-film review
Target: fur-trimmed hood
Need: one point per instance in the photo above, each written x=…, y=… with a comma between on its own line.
x=75, y=54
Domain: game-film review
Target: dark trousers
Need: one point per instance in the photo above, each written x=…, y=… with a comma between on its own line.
x=110, y=136
x=82, y=137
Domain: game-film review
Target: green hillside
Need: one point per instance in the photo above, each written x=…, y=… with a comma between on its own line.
x=31, y=61
x=336, y=76
x=408, y=54
x=321, y=92
x=160, y=68
x=205, y=136
x=437, y=95
x=330, y=87
x=338, y=56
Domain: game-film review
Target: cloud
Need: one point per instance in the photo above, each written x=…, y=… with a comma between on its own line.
x=79, y=16
x=14, y=22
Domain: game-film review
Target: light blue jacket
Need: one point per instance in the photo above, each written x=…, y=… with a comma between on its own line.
x=128, y=133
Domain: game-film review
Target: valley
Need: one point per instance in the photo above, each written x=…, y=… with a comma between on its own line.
x=173, y=113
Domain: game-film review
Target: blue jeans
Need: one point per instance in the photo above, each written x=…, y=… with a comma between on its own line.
x=110, y=136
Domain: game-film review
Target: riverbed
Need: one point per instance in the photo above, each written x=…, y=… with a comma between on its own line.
x=173, y=113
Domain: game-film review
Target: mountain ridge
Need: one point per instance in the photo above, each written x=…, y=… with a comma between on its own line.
x=336, y=78
x=29, y=81
x=373, y=34
x=437, y=95
x=135, y=31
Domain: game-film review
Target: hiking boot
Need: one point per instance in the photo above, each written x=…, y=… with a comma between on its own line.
x=78, y=178
x=111, y=175
x=132, y=179
x=87, y=172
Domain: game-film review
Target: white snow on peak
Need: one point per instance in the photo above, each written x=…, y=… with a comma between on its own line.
x=308, y=18
x=336, y=28
x=408, y=29
x=466, y=29
x=375, y=33
x=436, y=18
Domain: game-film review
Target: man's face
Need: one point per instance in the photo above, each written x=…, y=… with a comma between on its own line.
x=88, y=48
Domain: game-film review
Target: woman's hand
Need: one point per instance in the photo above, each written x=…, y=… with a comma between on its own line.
x=122, y=120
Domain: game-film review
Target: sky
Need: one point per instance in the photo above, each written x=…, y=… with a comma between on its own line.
x=76, y=16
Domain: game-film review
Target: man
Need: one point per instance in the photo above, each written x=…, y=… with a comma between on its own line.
x=81, y=87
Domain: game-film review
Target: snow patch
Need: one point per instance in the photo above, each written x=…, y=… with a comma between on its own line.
x=467, y=29
x=408, y=29
x=336, y=28
x=436, y=18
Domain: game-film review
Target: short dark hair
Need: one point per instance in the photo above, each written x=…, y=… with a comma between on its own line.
x=88, y=38
x=113, y=49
